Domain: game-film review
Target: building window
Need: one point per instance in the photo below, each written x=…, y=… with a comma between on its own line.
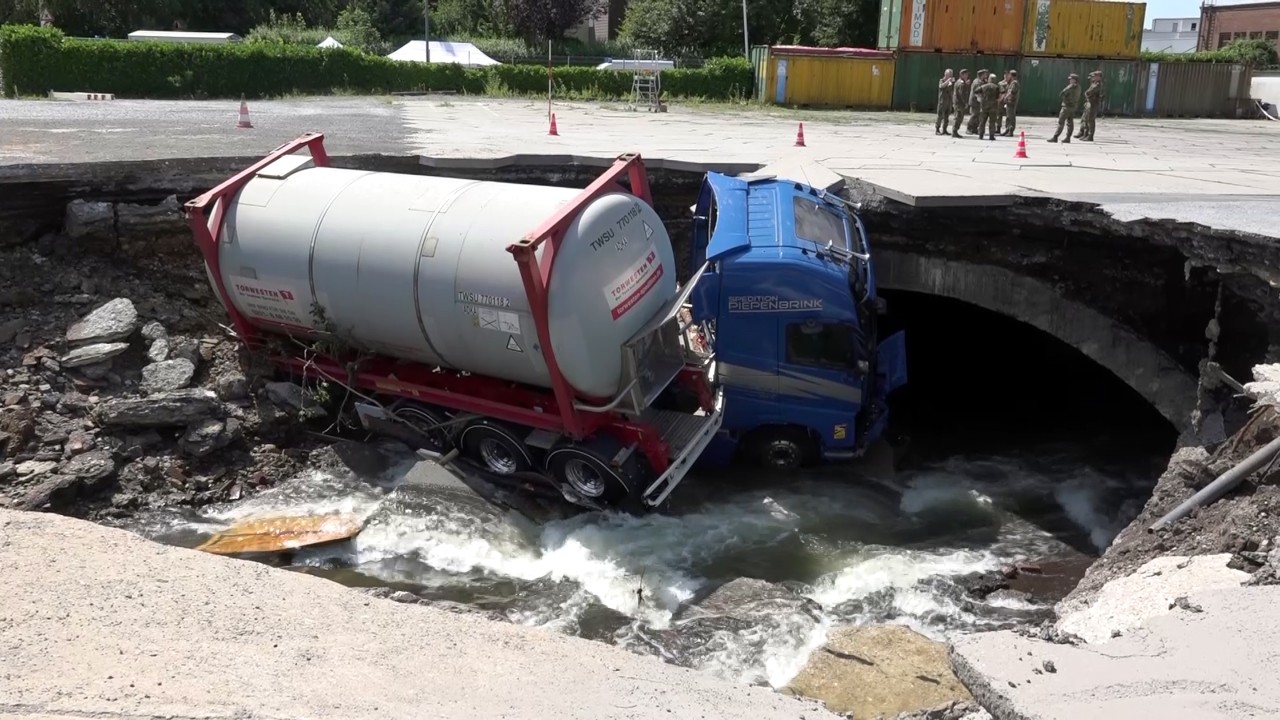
x=1193, y=26
x=818, y=224
x=1273, y=35
x=823, y=344
x=1256, y=35
x=1224, y=39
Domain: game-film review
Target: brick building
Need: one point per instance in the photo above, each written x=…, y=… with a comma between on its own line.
x=1220, y=24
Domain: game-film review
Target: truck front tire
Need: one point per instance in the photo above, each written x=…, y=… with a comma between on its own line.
x=783, y=449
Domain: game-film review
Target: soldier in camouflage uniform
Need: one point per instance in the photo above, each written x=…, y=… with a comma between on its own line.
x=1093, y=97
x=1004, y=87
x=989, y=106
x=975, y=102
x=960, y=101
x=946, y=91
x=1067, y=115
x=1010, y=102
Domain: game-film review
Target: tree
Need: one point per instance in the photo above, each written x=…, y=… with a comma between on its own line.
x=355, y=29
x=684, y=28
x=464, y=17
x=838, y=23
x=540, y=20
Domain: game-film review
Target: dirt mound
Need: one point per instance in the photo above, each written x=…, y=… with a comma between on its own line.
x=1245, y=523
x=121, y=389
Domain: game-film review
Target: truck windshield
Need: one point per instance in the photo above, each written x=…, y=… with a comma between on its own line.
x=818, y=224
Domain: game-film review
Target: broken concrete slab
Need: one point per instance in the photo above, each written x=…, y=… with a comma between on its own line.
x=280, y=533
x=801, y=168
x=1125, y=603
x=1211, y=657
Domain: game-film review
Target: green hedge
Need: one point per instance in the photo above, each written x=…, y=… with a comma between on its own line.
x=35, y=60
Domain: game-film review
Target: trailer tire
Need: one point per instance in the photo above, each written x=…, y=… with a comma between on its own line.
x=495, y=446
x=782, y=449
x=586, y=471
x=419, y=417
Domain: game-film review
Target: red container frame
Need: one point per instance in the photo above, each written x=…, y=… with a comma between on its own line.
x=491, y=397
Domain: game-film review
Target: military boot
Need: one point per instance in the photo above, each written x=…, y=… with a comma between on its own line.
x=1055, y=139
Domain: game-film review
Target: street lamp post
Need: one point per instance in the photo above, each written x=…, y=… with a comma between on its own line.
x=426, y=23
x=746, y=45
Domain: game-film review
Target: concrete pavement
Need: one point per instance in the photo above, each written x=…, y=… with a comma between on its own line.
x=1178, y=639
x=1177, y=169
x=98, y=622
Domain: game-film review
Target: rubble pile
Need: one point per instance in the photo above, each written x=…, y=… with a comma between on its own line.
x=119, y=390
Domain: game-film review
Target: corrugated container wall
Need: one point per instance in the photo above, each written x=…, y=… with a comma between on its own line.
x=890, y=24
x=1041, y=80
x=1192, y=89
x=831, y=81
x=915, y=80
x=989, y=26
x=760, y=67
x=1084, y=28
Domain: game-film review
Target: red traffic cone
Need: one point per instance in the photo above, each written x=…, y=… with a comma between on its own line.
x=800, y=136
x=1021, y=152
x=553, y=130
x=244, y=115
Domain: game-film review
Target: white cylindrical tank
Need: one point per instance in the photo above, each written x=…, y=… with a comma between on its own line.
x=416, y=267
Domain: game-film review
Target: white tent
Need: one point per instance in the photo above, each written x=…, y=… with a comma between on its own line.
x=329, y=42
x=461, y=53
x=625, y=65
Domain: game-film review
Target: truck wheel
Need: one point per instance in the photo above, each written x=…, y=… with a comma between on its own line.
x=783, y=449
x=423, y=420
x=585, y=470
x=495, y=447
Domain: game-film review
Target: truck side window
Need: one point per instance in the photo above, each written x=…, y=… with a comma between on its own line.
x=810, y=342
x=817, y=224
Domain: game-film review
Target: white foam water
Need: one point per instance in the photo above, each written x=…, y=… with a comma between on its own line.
x=862, y=556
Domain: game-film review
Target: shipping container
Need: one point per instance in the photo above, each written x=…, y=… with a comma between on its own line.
x=1041, y=80
x=915, y=79
x=1194, y=89
x=986, y=26
x=830, y=77
x=890, y=24
x=1084, y=28
x=760, y=68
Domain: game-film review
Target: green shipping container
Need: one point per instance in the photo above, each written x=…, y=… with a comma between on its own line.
x=915, y=81
x=760, y=66
x=1042, y=79
x=890, y=24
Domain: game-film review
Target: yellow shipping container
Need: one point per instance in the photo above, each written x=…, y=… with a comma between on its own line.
x=1084, y=28
x=819, y=77
x=977, y=26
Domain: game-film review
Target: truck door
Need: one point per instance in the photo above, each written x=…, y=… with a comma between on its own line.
x=817, y=382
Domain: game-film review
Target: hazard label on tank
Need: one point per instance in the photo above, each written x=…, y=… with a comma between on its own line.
x=630, y=288
x=269, y=300
x=512, y=345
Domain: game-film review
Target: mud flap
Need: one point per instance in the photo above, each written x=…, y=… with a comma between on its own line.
x=891, y=361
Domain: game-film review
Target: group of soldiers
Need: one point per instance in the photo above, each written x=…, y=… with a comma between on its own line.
x=992, y=106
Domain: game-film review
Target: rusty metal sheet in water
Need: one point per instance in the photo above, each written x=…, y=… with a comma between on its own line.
x=280, y=533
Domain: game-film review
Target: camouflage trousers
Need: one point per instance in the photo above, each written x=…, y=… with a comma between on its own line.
x=1066, y=116
x=972, y=126
x=1088, y=121
x=955, y=129
x=944, y=118
x=988, y=119
x=1010, y=118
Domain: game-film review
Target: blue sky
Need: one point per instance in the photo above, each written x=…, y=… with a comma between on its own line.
x=1180, y=8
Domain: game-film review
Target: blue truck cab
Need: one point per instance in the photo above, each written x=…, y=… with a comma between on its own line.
x=789, y=296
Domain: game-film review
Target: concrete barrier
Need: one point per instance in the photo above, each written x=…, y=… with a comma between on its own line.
x=80, y=96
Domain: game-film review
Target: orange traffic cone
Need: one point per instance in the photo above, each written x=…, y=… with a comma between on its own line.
x=800, y=136
x=244, y=115
x=1021, y=152
x=553, y=130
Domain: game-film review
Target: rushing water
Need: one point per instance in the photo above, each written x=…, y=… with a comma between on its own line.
x=862, y=553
